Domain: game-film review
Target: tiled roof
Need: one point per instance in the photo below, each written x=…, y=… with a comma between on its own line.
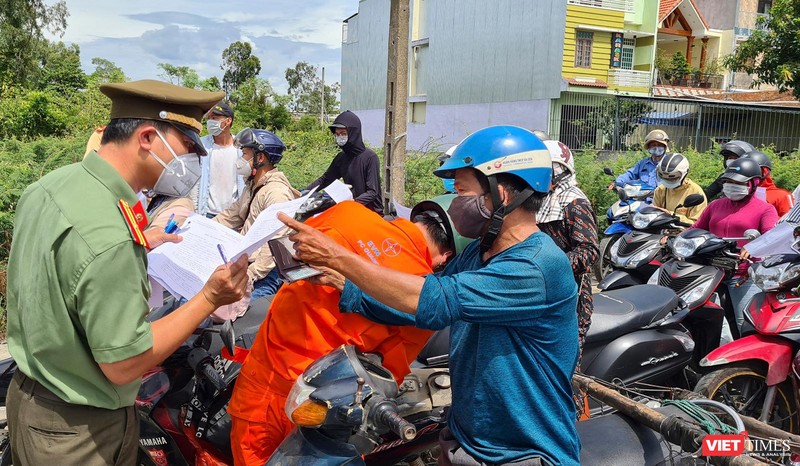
x=767, y=97
x=587, y=83
x=666, y=7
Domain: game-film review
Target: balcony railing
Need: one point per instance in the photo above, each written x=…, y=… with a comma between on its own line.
x=629, y=78
x=620, y=5
x=749, y=22
x=695, y=79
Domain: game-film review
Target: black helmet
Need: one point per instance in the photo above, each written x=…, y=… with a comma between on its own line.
x=263, y=141
x=742, y=170
x=760, y=157
x=736, y=147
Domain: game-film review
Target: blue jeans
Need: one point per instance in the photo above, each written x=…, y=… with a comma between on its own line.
x=741, y=296
x=268, y=285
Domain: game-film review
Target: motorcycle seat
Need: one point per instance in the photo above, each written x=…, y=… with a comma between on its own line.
x=621, y=311
x=436, y=352
x=633, y=442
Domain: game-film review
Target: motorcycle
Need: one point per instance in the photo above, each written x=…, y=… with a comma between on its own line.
x=699, y=262
x=181, y=403
x=632, y=197
x=638, y=253
x=347, y=408
x=758, y=375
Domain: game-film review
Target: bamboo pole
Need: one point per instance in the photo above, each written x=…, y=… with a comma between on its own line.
x=654, y=420
x=753, y=425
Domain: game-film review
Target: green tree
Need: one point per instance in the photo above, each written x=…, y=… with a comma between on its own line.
x=305, y=89
x=22, y=26
x=239, y=65
x=604, y=117
x=180, y=75
x=211, y=84
x=60, y=69
x=773, y=55
x=106, y=71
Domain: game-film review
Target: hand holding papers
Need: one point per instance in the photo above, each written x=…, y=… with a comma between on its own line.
x=183, y=268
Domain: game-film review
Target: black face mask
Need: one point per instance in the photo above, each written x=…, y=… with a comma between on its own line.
x=469, y=215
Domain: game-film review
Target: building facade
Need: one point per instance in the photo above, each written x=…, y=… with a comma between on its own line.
x=471, y=64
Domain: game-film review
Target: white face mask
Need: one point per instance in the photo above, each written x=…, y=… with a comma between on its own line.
x=735, y=192
x=243, y=167
x=179, y=175
x=670, y=184
x=340, y=140
x=214, y=127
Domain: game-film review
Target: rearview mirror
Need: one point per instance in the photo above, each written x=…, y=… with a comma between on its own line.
x=751, y=234
x=623, y=196
x=228, y=337
x=608, y=171
x=693, y=200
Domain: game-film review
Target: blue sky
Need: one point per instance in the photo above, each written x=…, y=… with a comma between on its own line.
x=137, y=35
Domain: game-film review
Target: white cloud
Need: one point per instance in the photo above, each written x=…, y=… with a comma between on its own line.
x=139, y=35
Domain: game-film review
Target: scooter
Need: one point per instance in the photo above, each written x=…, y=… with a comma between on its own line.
x=759, y=374
x=632, y=197
x=346, y=406
x=699, y=262
x=640, y=252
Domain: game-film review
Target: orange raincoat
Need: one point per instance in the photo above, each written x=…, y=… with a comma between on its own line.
x=304, y=324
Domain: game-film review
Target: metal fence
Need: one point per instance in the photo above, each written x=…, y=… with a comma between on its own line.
x=621, y=122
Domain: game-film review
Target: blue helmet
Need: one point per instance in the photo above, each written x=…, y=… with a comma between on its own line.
x=261, y=140
x=503, y=149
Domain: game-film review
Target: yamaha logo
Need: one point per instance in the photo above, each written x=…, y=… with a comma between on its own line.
x=654, y=361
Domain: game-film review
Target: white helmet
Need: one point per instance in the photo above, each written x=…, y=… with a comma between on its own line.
x=672, y=169
x=560, y=153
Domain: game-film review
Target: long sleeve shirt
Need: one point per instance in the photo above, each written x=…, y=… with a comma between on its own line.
x=644, y=171
x=513, y=348
x=671, y=198
x=362, y=172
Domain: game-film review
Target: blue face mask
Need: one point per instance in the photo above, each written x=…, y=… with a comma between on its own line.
x=449, y=185
x=657, y=151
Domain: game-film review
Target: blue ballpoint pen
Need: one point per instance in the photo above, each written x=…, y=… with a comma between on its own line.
x=172, y=225
x=222, y=253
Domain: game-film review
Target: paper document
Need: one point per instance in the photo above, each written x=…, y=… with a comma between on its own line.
x=402, y=211
x=776, y=241
x=183, y=268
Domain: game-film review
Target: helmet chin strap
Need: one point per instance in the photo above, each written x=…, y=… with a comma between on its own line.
x=499, y=214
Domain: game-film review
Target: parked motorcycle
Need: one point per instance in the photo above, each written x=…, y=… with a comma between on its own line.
x=346, y=405
x=759, y=374
x=632, y=197
x=699, y=262
x=640, y=252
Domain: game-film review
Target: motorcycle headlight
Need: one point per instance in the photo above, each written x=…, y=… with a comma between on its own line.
x=775, y=277
x=637, y=259
x=642, y=220
x=685, y=247
x=301, y=409
x=696, y=292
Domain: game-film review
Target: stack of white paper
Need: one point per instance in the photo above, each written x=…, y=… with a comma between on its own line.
x=183, y=268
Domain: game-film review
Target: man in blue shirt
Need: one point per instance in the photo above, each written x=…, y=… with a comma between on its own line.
x=657, y=144
x=509, y=300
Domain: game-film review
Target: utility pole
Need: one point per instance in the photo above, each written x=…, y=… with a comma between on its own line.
x=322, y=99
x=394, y=139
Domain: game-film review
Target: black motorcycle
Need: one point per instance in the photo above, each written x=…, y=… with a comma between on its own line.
x=699, y=262
x=640, y=252
x=348, y=408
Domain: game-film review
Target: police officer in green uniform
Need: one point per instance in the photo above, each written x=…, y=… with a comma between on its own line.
x=78, y=287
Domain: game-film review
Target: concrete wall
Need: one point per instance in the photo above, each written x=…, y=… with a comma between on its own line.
x=449, y=124
x=719, y=14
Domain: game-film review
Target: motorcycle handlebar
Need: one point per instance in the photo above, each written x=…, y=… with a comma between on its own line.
x=203, y=366
x=404, y=429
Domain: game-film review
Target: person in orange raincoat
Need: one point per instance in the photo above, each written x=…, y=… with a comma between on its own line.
x=304, y=322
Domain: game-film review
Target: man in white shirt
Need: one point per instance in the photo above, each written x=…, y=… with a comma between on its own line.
x=219, y=183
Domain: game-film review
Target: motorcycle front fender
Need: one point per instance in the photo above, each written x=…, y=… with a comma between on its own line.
x=617, y=228
x=774, y=351
x=307, y=447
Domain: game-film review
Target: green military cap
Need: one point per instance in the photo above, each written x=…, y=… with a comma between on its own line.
x=157, y=100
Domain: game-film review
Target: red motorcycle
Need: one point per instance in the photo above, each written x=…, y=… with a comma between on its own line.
x=758, y=375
